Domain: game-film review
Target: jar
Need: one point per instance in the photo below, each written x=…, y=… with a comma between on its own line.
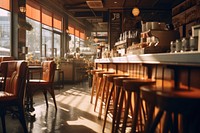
x=185, y=44
x=178, y=45
x=193, y=43
x=172, y=46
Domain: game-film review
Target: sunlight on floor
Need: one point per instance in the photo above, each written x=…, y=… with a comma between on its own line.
x=85, y=122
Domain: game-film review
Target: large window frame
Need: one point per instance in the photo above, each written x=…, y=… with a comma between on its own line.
x=51, y=23
x=77, y=36
x=5, y=28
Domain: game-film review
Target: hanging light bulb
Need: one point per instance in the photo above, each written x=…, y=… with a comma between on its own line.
x=135, y=11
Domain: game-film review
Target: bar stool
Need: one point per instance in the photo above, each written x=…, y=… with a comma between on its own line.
x=118, y=83
x=133, y=87
x=149, y=96
x=110, y=94
x=108, y=84
x=101, y=84
x=177, y=102
x=94, y=82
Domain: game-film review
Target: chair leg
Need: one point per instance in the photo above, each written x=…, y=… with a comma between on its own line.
x=45, y=95
x=97, y=93
x=3, y=120
x=156, y=121
x=115, y=109
x=51, y=91
x=107, y=107
x=22, y=118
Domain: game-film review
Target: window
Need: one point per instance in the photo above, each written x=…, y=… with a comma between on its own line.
x=77, y=38
x=33, y=39
x=57, y=44
x=47, y=42
x=51, y=24
x=5, y=28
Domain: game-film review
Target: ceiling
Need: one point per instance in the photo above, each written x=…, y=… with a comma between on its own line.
x=95, y=12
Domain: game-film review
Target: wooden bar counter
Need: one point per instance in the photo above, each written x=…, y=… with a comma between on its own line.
x=171, y=69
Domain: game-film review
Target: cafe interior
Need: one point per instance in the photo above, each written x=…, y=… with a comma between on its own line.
x=92, y=66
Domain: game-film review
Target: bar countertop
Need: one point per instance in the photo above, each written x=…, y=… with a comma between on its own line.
x=185, y=58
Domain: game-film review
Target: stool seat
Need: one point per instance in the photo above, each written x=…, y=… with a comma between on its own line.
x=100, y=74
x=133, y=85
x=111, y=76
x=181, y=101
x=95, y=70
x=118, y=81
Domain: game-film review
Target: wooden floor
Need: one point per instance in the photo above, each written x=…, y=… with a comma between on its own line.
x=74, y=115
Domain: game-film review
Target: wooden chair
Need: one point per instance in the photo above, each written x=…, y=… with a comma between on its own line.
x=3, y=75
x=14, y=92
x=45, y=84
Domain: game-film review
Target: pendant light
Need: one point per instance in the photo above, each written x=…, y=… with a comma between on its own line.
x=135, y=10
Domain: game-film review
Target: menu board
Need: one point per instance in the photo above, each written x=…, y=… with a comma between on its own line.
x=115, y=27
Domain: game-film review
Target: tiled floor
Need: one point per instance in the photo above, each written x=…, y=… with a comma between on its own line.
x=74, y=115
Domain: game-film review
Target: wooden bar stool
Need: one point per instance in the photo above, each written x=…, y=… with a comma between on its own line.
x=175, y=103
x=94, y=82
x=110, y=95
x=149, y=97
x=101, y=82
x=106, y=88
x=131, y=87
x=118, y=83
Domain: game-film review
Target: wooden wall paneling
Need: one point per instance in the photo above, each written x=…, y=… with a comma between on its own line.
x=112, y=67
x=105, y=67
x=194, y=78
x=100, y=66
x=130, y=70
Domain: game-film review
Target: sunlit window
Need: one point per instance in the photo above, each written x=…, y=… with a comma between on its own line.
x=57, y=44
x=33, y=39
x=5, y=30
x=47, y=42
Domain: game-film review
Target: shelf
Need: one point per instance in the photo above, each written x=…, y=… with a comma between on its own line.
x=187, y=4
x=121, y=42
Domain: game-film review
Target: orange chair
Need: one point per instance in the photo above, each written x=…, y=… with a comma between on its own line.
x=14, y=92
x=3, y=75
x=45, y=84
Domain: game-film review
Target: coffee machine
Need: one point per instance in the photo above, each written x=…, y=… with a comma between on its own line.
x=158, y=41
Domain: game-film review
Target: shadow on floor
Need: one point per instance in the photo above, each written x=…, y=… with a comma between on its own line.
x=74, y=115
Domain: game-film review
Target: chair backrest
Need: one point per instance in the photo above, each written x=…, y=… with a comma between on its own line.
x=3, y=74
x=6, y=58
x=48, y=68
x=16, y=78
